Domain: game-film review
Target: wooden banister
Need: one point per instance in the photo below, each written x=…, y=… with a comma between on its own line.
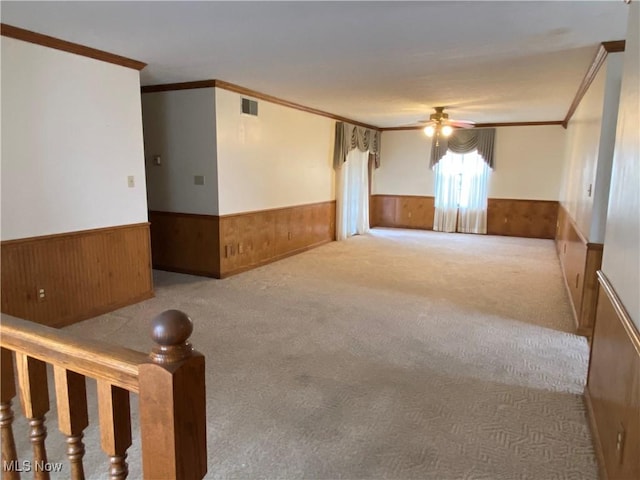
x=170, y=381
x=7, y=392
x=90, y=358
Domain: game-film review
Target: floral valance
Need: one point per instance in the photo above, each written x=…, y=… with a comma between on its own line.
x=350, y=137
x=465, y=141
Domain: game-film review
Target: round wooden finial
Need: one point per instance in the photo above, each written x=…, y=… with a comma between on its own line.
x=170, y=331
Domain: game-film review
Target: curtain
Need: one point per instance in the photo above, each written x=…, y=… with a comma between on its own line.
x=462, y=183
x=447, y=191
x=465, y=141
x=352, y=195
x=473, y=195
x=350, y=137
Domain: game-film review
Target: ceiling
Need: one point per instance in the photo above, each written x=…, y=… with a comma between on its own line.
x=382, y=63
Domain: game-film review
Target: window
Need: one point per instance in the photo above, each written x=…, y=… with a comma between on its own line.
x=461, y=187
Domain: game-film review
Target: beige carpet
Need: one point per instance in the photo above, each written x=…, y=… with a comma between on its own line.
x=400, y=354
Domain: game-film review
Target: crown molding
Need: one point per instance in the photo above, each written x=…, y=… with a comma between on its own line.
x=601, y=55
x=70, y=47
x=168, y=87
x=483, y=125
x=232, y=87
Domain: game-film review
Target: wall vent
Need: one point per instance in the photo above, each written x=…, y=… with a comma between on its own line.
x=250, y=107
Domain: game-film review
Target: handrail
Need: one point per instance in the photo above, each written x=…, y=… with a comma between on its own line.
x=94, y=359
x=169, y=381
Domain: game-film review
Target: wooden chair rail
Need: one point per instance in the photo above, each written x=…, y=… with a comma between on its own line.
x=90, y=358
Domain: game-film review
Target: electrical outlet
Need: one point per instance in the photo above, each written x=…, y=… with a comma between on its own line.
x=288, y=235
x=240, y=248
x=409, y=214
x=41, y=295
x=198, y=180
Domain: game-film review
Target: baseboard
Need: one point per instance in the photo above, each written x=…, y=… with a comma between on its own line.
x=61, y=279
x=595, y=435
x=274, y=259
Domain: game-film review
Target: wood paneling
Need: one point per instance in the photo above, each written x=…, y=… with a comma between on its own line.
x=613, y=387
x=185, y=243
x=403, y=211
x=579, y=261
x=592, y=71
x=522, y=218
x=251, y=239
x=83, y=274
x=56, y=43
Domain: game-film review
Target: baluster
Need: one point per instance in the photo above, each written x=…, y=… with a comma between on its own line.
x=115, y=427
x=172, y=403
x=73, y=418
x=34, y=397
x=7, y=392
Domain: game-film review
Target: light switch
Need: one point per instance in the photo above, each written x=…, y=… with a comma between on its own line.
x=157, y=160
x=198, y=180
x=131, y=181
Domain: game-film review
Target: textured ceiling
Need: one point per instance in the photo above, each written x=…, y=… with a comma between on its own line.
x=383, y=63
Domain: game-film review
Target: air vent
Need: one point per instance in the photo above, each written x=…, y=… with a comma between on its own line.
x=250, y=107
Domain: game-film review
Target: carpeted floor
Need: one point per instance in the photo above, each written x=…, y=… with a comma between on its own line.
x=400, y=354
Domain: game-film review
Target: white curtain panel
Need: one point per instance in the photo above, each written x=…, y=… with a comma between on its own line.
x=474, y=192
x=352, y=195
x=447, y=173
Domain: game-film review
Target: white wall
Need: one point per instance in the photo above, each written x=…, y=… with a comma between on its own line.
x=589, y=150
x=284, y=157
x=71, y=135
x=180, y=126
x=404, y=164
x=621, y=260
x=528, y=163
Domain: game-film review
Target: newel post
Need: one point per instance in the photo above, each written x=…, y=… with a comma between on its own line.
x=172, y=403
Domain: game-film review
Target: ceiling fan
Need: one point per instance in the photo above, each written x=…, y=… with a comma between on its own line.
x=439, y=123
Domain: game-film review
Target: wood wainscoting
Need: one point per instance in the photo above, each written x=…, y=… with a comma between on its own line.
x=612, y=394
x=518, y=218
x=185, y=243
x=579, y=262
x=402, y=211
x=219, y=246
x=522, y=218
x=82, y=274
x=251, y=239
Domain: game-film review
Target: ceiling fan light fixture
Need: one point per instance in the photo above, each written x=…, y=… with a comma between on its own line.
x=447, y=130
x=429, y=130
